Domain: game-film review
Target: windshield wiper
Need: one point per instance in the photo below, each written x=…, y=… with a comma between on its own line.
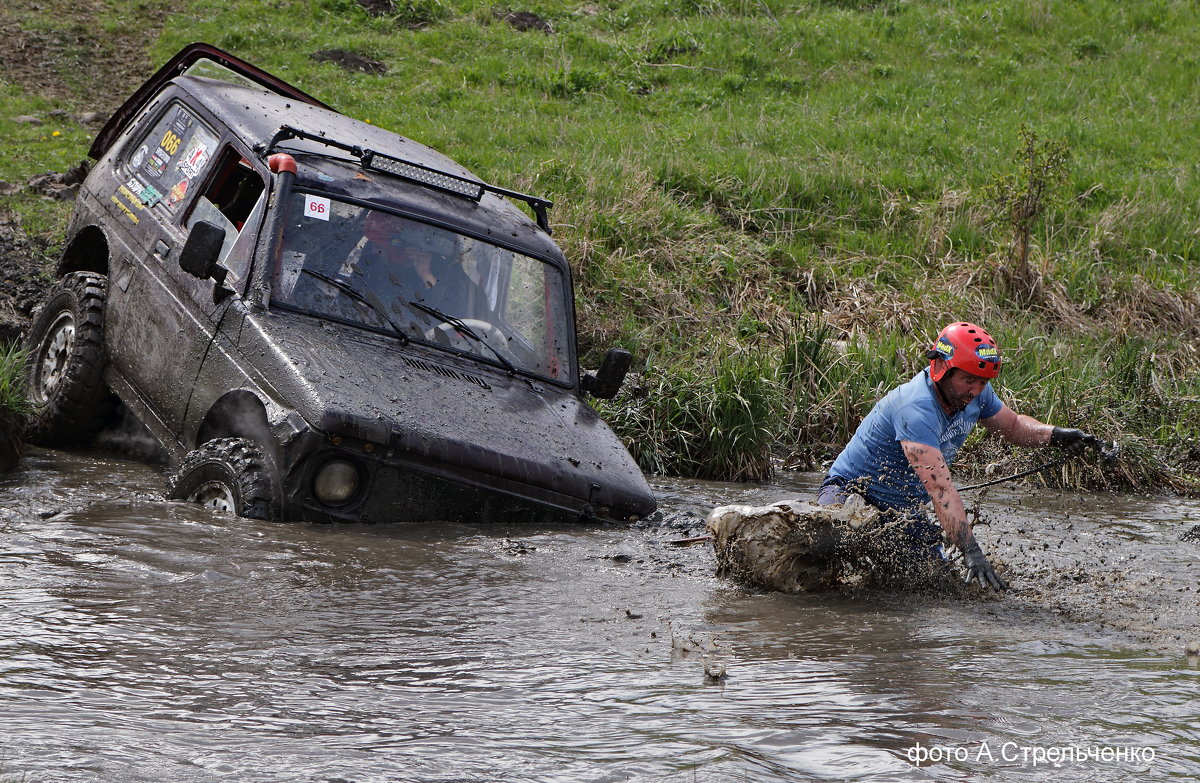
x=372, y=303
x=465, y=330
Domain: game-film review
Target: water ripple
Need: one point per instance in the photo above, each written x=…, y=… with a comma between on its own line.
x=146, y=641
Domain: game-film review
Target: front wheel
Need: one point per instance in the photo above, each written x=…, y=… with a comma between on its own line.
x=227, y=474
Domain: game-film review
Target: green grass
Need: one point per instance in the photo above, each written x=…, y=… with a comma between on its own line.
x=776, y=205
x=712, y=422
x=14, y=407
x=29, y=150
x=12, y=363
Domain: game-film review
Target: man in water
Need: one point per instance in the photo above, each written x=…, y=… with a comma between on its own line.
x=900, y=455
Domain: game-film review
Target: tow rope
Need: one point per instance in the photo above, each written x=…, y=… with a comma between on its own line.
x=1108, y=452
x=1051, y=464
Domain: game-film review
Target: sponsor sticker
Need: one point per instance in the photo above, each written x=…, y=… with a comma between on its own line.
x=191, y=164
x=157, y=163
x=130, y=192
x=182, y=122
x=129, y=213
x=170, y=142
x=151, y=195
x=148, y=195
x=196, y=153
x=944, y=347
x=177, y=193
x=987, y=353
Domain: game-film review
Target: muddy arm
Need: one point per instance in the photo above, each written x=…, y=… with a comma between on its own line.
x=929, y=465
x=1017, y=429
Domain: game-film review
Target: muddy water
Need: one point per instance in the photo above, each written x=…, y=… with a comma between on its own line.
x=147, y=641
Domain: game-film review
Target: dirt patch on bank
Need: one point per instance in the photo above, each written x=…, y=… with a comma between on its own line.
x=26, y=262
x=72, y=51
x=23, y=277
x=79, y=54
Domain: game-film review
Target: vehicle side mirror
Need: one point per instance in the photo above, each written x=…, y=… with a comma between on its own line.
x=201, y=251
x=606, y=382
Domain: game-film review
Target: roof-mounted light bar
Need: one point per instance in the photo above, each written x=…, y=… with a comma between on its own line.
x=414, y=172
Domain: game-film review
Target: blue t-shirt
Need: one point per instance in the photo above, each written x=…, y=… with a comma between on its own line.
x=908, y=412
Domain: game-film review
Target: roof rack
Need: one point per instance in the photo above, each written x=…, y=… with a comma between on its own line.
x=446, y=182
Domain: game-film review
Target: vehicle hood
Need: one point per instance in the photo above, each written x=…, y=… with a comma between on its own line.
x=448, y=411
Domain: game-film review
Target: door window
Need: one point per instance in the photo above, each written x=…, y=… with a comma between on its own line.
x=233, y=198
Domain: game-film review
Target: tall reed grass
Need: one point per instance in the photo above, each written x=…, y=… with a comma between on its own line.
x=799, y=404
x=713, y=422
x=14, y=406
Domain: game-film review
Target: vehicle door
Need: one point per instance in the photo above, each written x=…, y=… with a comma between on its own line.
x=179, y=173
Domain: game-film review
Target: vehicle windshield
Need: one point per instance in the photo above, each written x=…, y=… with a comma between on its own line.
x=389, y=273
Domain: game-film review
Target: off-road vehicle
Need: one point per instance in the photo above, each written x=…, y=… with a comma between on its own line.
x=320, y=319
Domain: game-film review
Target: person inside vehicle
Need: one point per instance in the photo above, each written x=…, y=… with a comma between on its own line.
x=899, y=457
x=405, y=259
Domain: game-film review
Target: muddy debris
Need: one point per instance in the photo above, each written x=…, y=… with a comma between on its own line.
x=24, y=268
x=795, y=546
x=87, y=119
x=516, y=547
x=350, y=61
x=23, y=278
x=378, y=7
x=681, y=522
x=714, y=672
x=525, y=21
x=61, y=186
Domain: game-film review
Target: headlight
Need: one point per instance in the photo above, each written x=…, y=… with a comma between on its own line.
x=336, y=482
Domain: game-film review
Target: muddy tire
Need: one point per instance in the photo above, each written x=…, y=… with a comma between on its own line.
x=65, y=368
x=230, y=475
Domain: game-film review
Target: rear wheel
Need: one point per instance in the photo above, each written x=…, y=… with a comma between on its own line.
x=66, y=363
x=230, y=475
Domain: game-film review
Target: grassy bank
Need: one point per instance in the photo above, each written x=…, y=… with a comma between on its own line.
x=776, y=205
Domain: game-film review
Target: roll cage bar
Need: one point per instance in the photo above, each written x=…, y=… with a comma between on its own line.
x=453, y=184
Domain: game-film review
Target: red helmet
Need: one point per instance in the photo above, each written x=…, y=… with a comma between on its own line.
x=967, y=347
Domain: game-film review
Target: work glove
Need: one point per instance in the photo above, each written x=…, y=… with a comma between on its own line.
x=979, y=569
x=1073, y=440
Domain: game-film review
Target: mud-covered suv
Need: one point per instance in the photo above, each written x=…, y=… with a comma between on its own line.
x=319, y=319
